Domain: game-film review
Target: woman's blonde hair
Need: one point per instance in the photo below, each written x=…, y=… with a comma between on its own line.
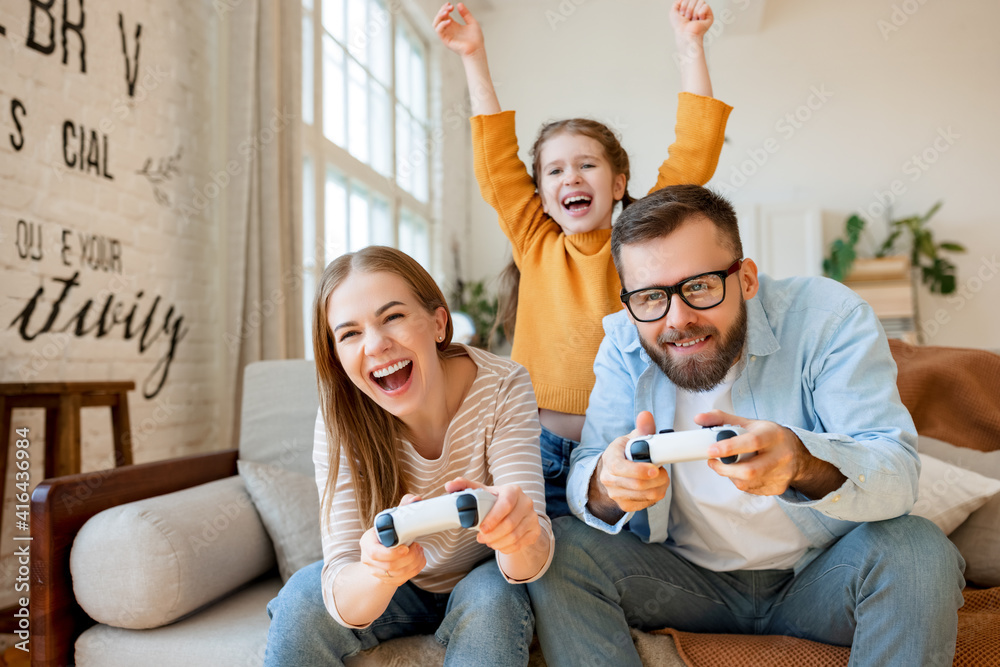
x=353, y=420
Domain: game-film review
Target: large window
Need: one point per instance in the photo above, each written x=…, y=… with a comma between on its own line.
x=365, y=132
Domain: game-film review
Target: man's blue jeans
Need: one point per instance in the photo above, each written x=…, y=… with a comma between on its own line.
x=484, y=621
x=889, y=589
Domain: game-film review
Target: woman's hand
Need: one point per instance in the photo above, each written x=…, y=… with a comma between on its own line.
x=465, y=40
x=396, y=565
x=691, y=18
x=512, y=524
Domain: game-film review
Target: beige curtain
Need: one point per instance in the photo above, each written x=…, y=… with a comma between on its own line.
x=262, y=237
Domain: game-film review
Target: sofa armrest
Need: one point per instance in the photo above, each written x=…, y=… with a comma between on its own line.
x=59, y=508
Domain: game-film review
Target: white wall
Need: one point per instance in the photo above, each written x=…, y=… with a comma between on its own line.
x=889, y=95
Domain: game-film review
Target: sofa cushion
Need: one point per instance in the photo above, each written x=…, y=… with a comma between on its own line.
x=288, y=504
x=148, y=563
x=978, y=538
x=232, y=631
x=948, y=494
x=278, y=416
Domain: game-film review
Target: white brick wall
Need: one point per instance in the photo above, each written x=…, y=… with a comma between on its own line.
x=160, y=254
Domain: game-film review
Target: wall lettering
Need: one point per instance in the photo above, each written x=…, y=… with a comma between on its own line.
x=18, y=142
x=103, y=323
x=67, y=26
x=96, y=252
x=130, y=74
x=93, y=150
x=29, y=240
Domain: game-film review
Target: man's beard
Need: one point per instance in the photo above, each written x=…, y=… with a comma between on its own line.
x=705, y=370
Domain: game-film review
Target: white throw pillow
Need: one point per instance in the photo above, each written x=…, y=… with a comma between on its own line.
x=979, y=537
x=288, y=504
x=947, y=494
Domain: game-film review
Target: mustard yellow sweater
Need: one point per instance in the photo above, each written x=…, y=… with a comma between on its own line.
x=568, y=283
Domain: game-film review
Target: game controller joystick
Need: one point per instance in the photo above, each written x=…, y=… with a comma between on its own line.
x=406, y=523
x=677, y=447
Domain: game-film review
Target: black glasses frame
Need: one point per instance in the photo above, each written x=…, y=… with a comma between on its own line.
x=677, y=287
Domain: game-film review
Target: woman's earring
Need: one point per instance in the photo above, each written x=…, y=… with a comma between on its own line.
x=440, y=338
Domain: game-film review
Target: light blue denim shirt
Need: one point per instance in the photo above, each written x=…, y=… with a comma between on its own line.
x=816, y=361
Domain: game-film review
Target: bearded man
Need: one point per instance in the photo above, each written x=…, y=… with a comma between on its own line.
x=808, y=537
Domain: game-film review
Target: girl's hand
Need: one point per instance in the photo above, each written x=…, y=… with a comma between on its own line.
x=512, y=524
x=392, y=566
x=465, y=40
x=691, y=18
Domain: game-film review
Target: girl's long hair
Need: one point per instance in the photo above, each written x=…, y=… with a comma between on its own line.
x=509, y=280
x=354, y=421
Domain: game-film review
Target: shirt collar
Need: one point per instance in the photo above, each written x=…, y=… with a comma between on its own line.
x=760, y=338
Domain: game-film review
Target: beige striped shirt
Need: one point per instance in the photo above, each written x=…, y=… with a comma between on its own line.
x=493, y=439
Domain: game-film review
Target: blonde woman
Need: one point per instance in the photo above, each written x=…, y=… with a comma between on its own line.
x=406, y=414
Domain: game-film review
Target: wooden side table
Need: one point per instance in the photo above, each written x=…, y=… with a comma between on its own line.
x=62, y=402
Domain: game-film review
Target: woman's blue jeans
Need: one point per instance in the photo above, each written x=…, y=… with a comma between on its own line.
x=889, y=589
x=484, y=621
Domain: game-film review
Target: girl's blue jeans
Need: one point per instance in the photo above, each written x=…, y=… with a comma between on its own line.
x=555, y=469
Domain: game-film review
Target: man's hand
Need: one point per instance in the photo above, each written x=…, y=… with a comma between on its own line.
x=782, y=461
x=619, y=485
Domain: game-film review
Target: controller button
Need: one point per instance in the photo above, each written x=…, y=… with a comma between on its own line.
x=640, y=451
x=666, y=430
x=468, y=512
x=725, y=434
x=386, y=530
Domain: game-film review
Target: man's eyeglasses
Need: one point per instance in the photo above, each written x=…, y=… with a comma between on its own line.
x=701, y=292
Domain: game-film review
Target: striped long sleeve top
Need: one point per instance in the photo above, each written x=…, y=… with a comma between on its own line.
x=493, y=439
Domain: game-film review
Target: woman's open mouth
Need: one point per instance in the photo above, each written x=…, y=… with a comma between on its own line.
x=393, y=378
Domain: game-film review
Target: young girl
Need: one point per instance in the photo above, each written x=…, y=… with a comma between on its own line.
x=558, y=220
x=404, y=414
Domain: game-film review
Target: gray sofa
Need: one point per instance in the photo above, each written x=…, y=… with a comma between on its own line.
x=173, y=563
x=183, y=578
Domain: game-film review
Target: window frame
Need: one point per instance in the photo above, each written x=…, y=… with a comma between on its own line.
x=322, y=154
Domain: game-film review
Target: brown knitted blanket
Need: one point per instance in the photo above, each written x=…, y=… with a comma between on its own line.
x=952, y=393
x=978, y=642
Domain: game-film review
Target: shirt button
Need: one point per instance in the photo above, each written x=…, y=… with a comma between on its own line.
x=753, y=358
x=836, y=498
x=861, y=478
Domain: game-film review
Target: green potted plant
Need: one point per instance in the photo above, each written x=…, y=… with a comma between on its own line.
x=473, y=299
x=909, y=235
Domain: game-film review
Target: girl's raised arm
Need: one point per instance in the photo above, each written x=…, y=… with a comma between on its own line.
x=467, y=41
x=691, y=19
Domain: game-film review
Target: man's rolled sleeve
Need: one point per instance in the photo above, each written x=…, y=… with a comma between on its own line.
x=872, y=491
x=855, y=388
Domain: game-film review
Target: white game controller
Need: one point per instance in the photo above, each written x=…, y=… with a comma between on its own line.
x=668, y=446
x=406, y=523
